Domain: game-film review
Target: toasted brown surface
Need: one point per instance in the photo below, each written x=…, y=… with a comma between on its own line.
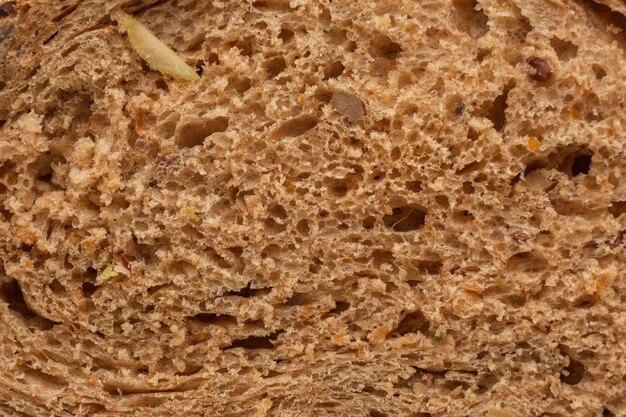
x=363, y=208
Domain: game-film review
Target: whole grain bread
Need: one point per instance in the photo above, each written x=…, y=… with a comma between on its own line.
x=362, y=208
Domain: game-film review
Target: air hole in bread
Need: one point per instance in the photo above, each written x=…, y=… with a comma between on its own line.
x=404, y=79
x=167, y=127
x=333, y=70
x=327, y=404
x=496, y=111
x=470, y=18
x=395, y=154
x=235, y=258
x=472, y=134
x=11, y=293
x=527, y=262
x=223, y=320
x=593, y=115
x=338, y=187
x=88, y=289
x=241, y=85
x=277, y=211
x=429, y=266
x=90, y=274
x=462, y=216
x=215, y=257
x=573, y=373
x=497, y=326
x=585, y=301
x=146, y=394
x=372, y=390
x=247, y=292
x=382, y=257
x=485, y=382
x=71, y=49
x=80, y=101
x=617, y=208
x=275, y=66
x=193, y=45
x=323, y=96
x=223, y=207
x=442, y=200
x=472, y=166
x=190, y=369
x=296, y=127
x=57, y=288
x=572, y=160
x=273, y=227
x=145, y=67
x=382, y=125
x=158, y=288
x=468, y=188
x=42, y=168
x=245, y=46
x=564, y=49
x=514, y=300
x=581, y=165
x=414, y=186
x=5, y=214
x=65, y=11
x=271, y=251
x=533, y=166
x=92, y=408
x=598, y=71
x=455, y=106
x=49, y=39
x=300, y=299
x=603, y=17
x=376, y=413
x=405, y=218
x=44, y=380
x=369, y=222
x=256, y=342
x=33, y=71
x=337, y=36
x=272, y=5
x=161, y=84
x=194, y=133
x=199, y=67
x=286, y=35
x=236, y=251
x=191, y=232
x=340, y=307
x=413, y=322
x=213, y=59
x=482, y=54
x=303, y=227
x=384, y=47
x=459, y=386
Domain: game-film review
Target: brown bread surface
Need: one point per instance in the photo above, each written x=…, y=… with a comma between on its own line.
x=362, y=208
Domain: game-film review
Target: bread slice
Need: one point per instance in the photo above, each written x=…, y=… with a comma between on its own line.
x=362, y=208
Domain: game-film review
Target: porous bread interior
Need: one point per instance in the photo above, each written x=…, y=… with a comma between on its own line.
x=277, y=257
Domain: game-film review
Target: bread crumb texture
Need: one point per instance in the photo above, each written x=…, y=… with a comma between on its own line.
x=361, y=208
